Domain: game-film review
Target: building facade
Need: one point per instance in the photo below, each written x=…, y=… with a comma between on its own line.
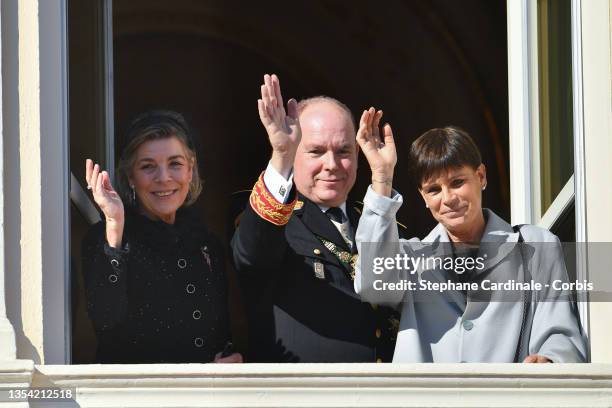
x=557, y=176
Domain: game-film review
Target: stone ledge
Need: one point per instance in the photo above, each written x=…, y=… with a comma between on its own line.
x=334, y=385
x=16, y=373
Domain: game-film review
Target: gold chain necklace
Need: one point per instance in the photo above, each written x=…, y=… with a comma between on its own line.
x=343, y=256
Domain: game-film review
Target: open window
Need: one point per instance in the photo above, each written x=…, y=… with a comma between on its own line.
x=426, y=64
x=546, y=116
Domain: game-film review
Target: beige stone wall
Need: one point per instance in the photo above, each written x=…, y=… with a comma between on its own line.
x=597, y=74
x=30, y=182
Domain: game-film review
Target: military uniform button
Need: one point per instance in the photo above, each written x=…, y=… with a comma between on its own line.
x=114, y=262
x=379, y=360
x=112, y=278
x=317, y=251
x=378, y=333
x=468, y=325
x=182, y=263
x=190, y=288
x=198, y=342
x=197, y=315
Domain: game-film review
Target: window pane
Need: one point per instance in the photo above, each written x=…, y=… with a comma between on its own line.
x=555, y=96
x=87, y=140
x=565, y=226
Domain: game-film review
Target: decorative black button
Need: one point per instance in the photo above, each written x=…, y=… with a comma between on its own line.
x=197, y=315
x=182, y=263
x=190, y=288
x=114, y=262
x=198, y=341
x=112, y=278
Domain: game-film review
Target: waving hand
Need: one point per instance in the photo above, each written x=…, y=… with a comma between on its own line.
x=108, y=200
x=282, y=126
x=381, y=155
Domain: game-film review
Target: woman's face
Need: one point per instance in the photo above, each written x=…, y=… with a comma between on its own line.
x=454, y=197
x=161, y=175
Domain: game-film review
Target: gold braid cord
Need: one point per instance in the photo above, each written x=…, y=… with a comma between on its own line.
x=266, y=206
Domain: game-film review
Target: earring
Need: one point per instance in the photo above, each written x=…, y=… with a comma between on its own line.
x=484, y=187
x=426, y=206
x=133, y=194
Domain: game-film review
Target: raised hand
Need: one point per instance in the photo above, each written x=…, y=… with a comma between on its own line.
x=381, y=155
x=108, y=200
x=283, y=128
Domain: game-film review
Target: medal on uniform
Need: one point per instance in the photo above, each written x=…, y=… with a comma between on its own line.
x=319, y=270
x=344, y=257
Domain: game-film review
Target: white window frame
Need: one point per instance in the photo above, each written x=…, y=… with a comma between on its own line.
x=522, y=57
x=579, y=160
x=560, y=204
x=318, y=384
x=520, y=117
x=525, y=172
x=56, y=320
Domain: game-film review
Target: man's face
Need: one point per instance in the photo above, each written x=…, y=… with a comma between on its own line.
x=325, y=165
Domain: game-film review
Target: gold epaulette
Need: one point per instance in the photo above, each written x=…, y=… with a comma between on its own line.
x=267, y=207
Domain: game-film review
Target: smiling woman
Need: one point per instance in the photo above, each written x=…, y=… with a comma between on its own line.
x=154, y=276
x=448, y=168
x=454, y=325
x=160, y=178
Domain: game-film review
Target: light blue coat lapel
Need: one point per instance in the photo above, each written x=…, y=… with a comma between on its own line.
x=498, y=240
x=497, y=234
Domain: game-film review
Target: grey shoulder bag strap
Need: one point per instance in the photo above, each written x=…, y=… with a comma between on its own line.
x=526, y=294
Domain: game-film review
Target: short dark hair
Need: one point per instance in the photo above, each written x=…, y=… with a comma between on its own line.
x=156, y=125
x=442, y=149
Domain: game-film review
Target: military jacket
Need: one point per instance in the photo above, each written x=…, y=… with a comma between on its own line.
x=299, y=297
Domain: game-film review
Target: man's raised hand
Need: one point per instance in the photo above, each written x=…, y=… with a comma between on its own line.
x=381, y=155
x=283, y=128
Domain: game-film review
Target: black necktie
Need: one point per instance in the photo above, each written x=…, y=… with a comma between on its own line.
x=335, y=214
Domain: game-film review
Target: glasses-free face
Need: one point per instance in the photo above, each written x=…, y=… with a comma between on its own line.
x=454, y=198
x=325, y=165
x=160, y=176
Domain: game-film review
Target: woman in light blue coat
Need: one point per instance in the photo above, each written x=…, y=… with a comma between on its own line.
x=501, y=306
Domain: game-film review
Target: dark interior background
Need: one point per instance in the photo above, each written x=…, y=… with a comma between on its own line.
x=426, y=63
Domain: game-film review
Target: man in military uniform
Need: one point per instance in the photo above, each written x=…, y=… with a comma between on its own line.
x=294, y=252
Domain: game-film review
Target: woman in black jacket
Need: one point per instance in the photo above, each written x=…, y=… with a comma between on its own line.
x=155, y=277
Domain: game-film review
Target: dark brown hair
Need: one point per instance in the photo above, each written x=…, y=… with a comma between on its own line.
x=156, y=125
x=442, y=149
